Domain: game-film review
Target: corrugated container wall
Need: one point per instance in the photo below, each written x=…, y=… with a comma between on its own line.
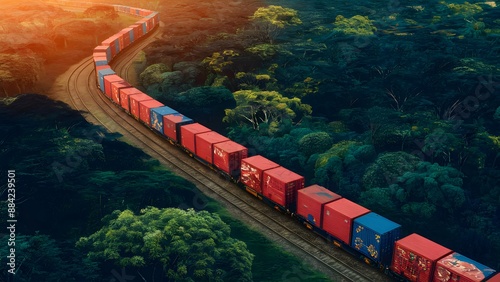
x=228, y=155
x=102, y=74
x=124, y=97
x=188, y=134
x=338, y=218
x=415, y=257
x=99, y=59
x=456, y=267
x=105, y=50
x=116, y=88
x=172, y=125
x=495, y=278
x=311, y=202
x=280, y=185
x=107, y=84
x=205, y=144
x=134, y=103
x=157, y=115
x=374, y=236
x=145, y=110
x=252, y=171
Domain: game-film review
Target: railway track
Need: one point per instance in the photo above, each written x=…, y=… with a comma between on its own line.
x=85, y=96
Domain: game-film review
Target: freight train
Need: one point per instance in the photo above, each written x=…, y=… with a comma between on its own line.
x=365, y=234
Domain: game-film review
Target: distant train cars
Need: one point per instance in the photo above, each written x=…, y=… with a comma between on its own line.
x=342, y=222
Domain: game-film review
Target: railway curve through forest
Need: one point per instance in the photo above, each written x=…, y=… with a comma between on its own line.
x=77, y=87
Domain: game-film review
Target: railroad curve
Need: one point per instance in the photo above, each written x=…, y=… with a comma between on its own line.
x=79, y=90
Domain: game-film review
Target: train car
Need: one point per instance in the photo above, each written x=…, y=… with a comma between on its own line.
x=145, y=108
x=144, y=25
x=227, y=157
x=125, y=97
x=154, y=18
x=114, y=45
x=104, y=51
x=134, y=103
x=157, y=117
x=252, y=172
x=131, y=35
x=116, y=87
x=205, y=145
x=101, y=74
x=172, y=124
x=338, y=218
x=108, y=79
x=137, y=28
x=99, y=60
x=415, y=258
x=374, y=235
x=495, y=278
x=188, y=135
x=280, y=186
x=456, y=267
x=311, y=203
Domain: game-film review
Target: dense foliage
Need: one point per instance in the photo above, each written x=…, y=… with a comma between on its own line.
x=394, y=106
x=174, y=244
x=72, y=181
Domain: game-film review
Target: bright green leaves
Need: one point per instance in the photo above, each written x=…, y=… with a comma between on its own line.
x=189, y=245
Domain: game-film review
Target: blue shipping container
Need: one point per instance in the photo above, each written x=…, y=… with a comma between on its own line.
x=101, y=62
x=157, y=117
x=374, y=236
x=101, y=74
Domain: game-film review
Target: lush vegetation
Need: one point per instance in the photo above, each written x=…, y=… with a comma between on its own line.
x=392, y=105
x=92, y=208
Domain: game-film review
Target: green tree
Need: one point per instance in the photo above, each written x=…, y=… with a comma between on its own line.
x=265, y=107
x=179, y=245
x=269, y=21
x=316, y=142
x=40, y=258
x=387, y=168
x=153, y=74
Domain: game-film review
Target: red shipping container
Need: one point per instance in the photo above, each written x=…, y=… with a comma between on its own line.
x=280, y=185
x=205, y=144
x=116, y=87
x=172, y=125
x=252, y=171
x=104, y=50
x=188, y=134
x=137, y=31
x=99, y=59
x=311, y=202
x=124, y=97
x=415, y=257
x=124, y=33
x=134, y=103
x=456, y=267
x=495, y=278
x=111, y=42
x=108, y=79
x=338, y=217
x=145, y=110
x=228, y=155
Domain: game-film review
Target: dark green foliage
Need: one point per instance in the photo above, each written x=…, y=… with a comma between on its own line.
x=173, y=244
x=204, y=104
x=316, y=142
x=41, y=258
